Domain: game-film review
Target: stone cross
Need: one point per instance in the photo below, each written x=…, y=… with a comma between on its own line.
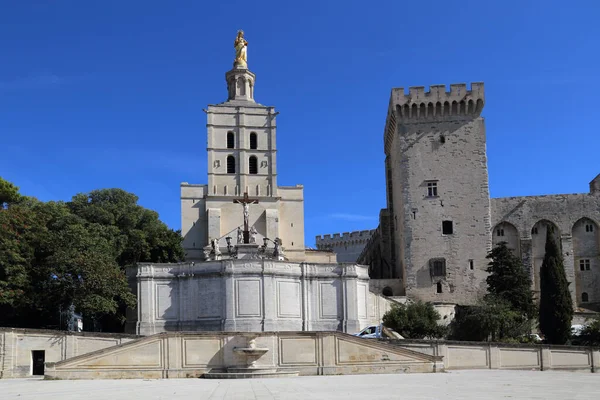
x=245, y=201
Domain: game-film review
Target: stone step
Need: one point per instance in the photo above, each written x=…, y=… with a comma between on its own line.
x=249, y=375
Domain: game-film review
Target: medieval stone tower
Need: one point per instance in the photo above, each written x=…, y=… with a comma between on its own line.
x=438, y=218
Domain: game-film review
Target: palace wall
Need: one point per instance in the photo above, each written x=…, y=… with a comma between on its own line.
x=348, y=245
x=575, y=218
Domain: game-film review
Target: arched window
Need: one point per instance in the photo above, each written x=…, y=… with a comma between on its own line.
x=253, y=141
x=584, y=297
x=230, y=164
x=230, y=140
x=253, y=165
x=439, y=287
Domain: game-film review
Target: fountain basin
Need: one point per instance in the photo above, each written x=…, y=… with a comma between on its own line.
x=251, y=351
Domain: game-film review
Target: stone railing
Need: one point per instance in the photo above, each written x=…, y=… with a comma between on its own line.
x=487, y=355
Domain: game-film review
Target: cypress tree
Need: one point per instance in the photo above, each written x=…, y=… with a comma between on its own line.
x=556, y=307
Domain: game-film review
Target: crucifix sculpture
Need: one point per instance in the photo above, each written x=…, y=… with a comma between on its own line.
x=245, y=201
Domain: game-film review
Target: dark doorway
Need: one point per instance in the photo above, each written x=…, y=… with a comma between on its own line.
x=38, y=357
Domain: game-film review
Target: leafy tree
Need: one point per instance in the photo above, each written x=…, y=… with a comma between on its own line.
x=140, y=235
x=56, y=254
x=414, y=320
x=9, y=193
x=556, y=307
x=493, y=319
x=509, y=281
x=590, y=335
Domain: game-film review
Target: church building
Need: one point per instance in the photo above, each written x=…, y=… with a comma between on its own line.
x=246, y=267
x=242, y=160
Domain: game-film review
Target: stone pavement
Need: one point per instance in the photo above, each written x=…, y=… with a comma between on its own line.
x=480, y=384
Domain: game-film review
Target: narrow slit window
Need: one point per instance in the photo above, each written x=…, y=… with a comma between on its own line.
x=589, y=228
x=253, y=141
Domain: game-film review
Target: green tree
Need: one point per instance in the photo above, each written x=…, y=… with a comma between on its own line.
x=509, y=281
x=416, y=320
x=590, y=335
x=556, y=307
x=56, y=254
x=493, y=319
x=9, y=193
x=140, y=235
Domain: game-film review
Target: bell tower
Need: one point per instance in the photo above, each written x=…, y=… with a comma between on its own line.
x=241, y=154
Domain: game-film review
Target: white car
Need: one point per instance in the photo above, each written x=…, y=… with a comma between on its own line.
x=378, y=332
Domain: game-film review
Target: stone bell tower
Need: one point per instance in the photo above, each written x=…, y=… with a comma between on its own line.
x=242, y=161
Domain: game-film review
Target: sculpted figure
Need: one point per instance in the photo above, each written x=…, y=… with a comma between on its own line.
x=253, y=233
x=246, y=214
x=215, y=246
x=240, y=235
x=240, y=44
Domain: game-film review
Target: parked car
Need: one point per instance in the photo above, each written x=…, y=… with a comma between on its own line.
x=378, y=332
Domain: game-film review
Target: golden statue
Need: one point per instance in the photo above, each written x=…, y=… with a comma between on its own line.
x=241, y=52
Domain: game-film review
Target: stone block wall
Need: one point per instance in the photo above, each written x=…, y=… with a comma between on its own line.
x=17, y=345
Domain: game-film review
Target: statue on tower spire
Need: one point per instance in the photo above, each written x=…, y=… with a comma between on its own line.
x=241, y=51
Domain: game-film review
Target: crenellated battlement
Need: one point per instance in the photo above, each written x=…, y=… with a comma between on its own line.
x=344, y=237
x=437, y=103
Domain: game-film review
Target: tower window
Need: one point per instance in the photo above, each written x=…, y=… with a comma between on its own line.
x=584, y=297
x=253, y=165
x=584, y=265
x=500, y=232
x=534, y=231
x=439, y=287
x=253, y=141
x=230, y=164
x=230, y=140
x=447, y=228
x=471, y=264
x=589, y=228
x=437, y=266
x=432, y=190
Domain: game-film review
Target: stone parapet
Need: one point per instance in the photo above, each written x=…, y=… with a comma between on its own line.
x=253, y=295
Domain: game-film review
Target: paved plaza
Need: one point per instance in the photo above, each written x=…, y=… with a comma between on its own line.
x=488, y=384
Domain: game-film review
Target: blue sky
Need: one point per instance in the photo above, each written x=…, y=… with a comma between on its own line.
x=110, y=94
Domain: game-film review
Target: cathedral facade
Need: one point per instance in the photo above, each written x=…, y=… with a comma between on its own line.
x=440, y=222
x=246, y=266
